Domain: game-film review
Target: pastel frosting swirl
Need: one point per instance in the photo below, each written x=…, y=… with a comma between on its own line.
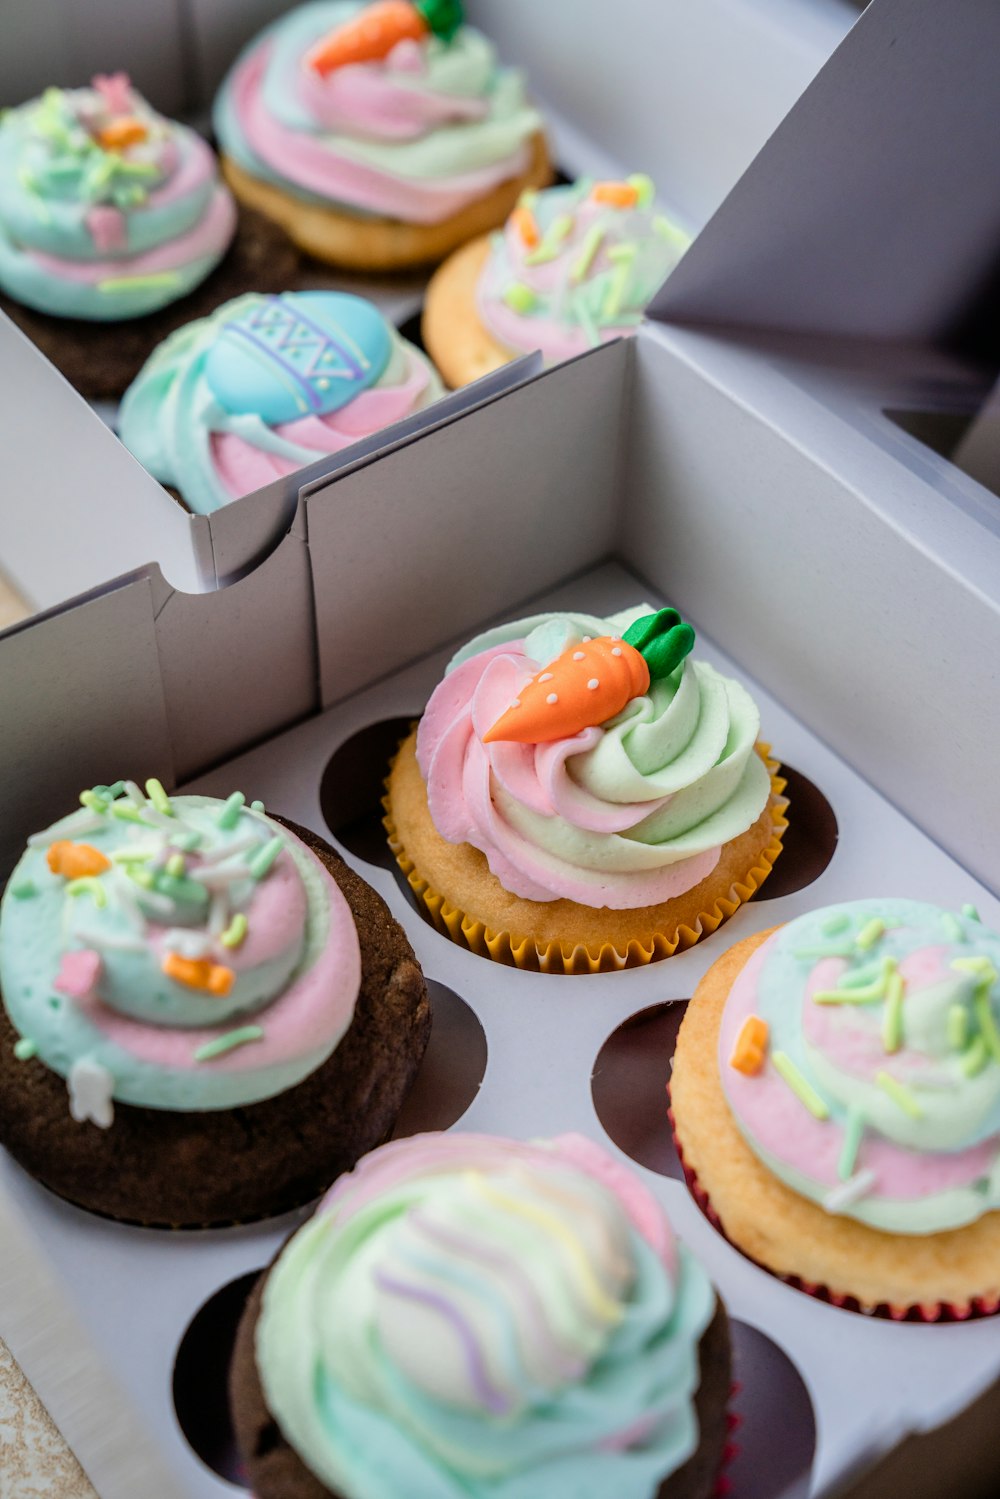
x=175, y=952
x=107, y=210
x=468, y=1316
x=624, y=814
x=415, y=137
x=888, y=1012
x=265, y=386
x=575, y=266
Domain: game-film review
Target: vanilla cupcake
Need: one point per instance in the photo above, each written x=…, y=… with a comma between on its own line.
x=581, y=795
x=206, y=1015
x=836, y=1099
x=573, y=268
x=467, y=1315
x=266, y=386
x=378, y=136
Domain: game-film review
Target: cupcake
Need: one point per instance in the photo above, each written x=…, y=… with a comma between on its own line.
x=836, y=1099
x=581, y=795
x=110, y=213
x=467, y=1315
x=265, y=386
x=378, y=136
x=573, y=268
x=206, y=1015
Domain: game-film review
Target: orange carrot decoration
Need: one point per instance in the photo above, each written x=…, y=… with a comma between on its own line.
x=199, y=973
x=371, y=36
x=75, y=861
x=618, y=194
x=591, y=682
x=118, y=134
x=526, y=224
x=750, y=1046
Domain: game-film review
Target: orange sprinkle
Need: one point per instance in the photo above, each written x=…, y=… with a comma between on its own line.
x=199, y=973
x=751, y=1046
x=74, y=861
x=526, y=225
x=618, y=194
x=121, y=133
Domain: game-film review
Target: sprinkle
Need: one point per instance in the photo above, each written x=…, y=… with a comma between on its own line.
x=589, y=248
x=970, y=913
x=77, y=823
x=159, y=798
x=228, y=1042
x=853, y=1131
x=668, y=231
x=842, y=1197
x=618, y=194
x=615, y=295
x=105, y=939
x=557, y=231
x=93, y=801
x=902, y=1096
x=260, y=862
x=236, y=931
x=624, y=252
x=230, y=814
x=257, y=806
x=24, y=890
x=952, y=927
x=76, y=860
x=519, y=297
x=975, y=1058
x=218, y=913
x=958, y=1026
x=186, y=842
x=838, y=922
x=89, y=884
x=524, y=221
x=128, y=813
x=134, y=855
x=175, y=865
x=180, y=888
x=112, y=791
x=199, y=973
x=134, y=795
x=222, y=877
x=553, y=697
x=139, y=283
x=90, y=1086
x=645, y=188
x=24, y=1049
x=987, y=1020
x=143, y=877
x=593, y=683
x=800, y=1086
x=750, y=1047
x=808, y=953
x=892, y=1018
x=187, y=943
x=870, y=933
x=868, y=973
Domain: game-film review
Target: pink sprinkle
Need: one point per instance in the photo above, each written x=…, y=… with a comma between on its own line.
x=406, y=57
x=78, y=973
x=116, y=91
x=106, y=226
x=553, y=697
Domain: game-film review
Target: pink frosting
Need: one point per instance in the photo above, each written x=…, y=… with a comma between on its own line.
x=78, y=973
x=106, y=226
x=522, y=333
x=460, y=772
x=211, y=234
x=366, y=100
x=781, y=1126
x=312, y=164
x=242, y=468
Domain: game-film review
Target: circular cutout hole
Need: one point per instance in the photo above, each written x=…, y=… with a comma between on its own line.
x=629, y=1086
x=353, y=783
x=810, y=840
x=772, y=1398
x=201, y=1380
x=453, y=1067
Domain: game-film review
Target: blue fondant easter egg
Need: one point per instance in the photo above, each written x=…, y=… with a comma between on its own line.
x=304, y=353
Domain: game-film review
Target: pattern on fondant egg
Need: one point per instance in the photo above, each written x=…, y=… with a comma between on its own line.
x=298, y=354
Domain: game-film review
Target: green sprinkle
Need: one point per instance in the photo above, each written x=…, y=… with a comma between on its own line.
x=857, y=978
x=974, y=1060
x=144, y=170
x=175, y=866
x=139, y=283
x=260, y=861
x=89, y=884
x=159, y=798
x=93, y=801
x=24, y=890
x=623, y=253
x=133, y=855
x=870, y=933
x=179, y=888
x=952, y=927
x=519, y=297
x=235, y=931
x=616, y=292
x=892, y=1017
x=853, y=1131
x=857, y=993
x=557, y=231
x=807, y=954
x=128, y=813
x=838, y=922
x=800, y=1086
x=970, y=913
x=668, y=231
x=230, y=814
x=143, y=877
x=644, y=186
x=24, y=1049
x=111, y=792
x=958, y=1026
x=187, y=842
x=978, y=965
x=257, y=806
x=589, y=248
x=900, y=1095
x=228, y=1042
x=987, y=1020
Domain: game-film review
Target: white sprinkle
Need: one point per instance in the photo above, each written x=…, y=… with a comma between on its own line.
x=553, y=697
x=76, y=823
x=579, y=655
x=155, y=901
x=152, y=814
x=238, y=846
x=859, y=1185
x=594, y=682
x=616, y=650
x=546, y=676
x=90, y=1086
x=134, y=795
x=186, y=943
x=587, y=639
x=218, y=914
x=516, y=703
x=221, y=878
x=105, y=939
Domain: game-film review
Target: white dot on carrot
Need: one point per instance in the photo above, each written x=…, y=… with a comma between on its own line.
x=516, y=703
x=586, y=638
x=579, y=655
x=553, y=697
x=546, y=676
x=616, y=650
x=594, y=682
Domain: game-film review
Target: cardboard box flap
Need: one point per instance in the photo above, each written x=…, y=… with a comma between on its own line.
x=870, y=211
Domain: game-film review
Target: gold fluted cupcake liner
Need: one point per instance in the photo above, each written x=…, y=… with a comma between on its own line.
x=605, y=957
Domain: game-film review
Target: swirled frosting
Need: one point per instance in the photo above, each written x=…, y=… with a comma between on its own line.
x=175, y=952
x=107, y=210
x=265, y=386
x=468, y=1316
x=575, y=266
x=627, y=813
x=877, y=1090
x=415, y=137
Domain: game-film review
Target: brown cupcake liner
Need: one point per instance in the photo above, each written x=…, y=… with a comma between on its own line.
x=606, y=957
x=937, y=1311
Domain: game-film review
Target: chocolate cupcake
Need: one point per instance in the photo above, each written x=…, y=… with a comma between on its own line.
x=469, y=1316
x=207, y=1015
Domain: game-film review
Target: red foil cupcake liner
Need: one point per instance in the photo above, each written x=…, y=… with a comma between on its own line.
x=938, y=1311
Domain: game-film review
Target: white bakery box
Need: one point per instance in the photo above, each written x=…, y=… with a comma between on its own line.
x=842, y=568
